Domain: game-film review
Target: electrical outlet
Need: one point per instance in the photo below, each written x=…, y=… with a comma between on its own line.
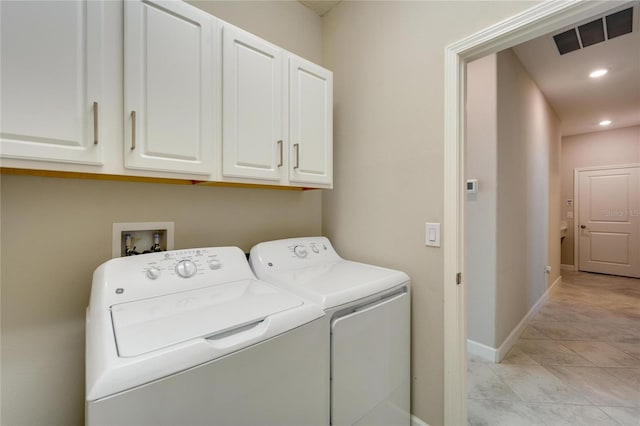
x=141, y=237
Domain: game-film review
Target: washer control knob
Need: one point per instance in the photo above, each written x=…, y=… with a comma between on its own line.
x=186, y=268
x=153, y=272
x=300, y=251
x=315, y=249
x=215, y=264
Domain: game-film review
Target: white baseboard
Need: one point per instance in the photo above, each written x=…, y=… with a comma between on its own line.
x=481, y=350
x=564, y=267
x=497, y=355
x=415, y=421
x=512, y=338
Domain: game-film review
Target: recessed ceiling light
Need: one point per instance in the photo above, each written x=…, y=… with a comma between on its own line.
x=598, y=73
x=605, y=122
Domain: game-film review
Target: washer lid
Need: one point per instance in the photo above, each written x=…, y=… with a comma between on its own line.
x=147, y=325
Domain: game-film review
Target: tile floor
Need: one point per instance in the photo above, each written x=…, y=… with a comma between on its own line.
x=576, y=363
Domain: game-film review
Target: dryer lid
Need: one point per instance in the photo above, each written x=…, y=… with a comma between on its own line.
x=336, y=283
x=147, y=325
x=311, y=268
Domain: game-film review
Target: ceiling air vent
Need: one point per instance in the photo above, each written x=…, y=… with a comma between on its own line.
x=620, y=23
x=595, y=32
x=591, y=33
x=567, y=41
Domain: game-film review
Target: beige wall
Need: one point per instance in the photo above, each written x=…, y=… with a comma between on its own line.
x=611, y=147
x=388, y=61
x=284, y=23
x=55, y=232
x=481, y=158
x=528, y=143
x=512, y=230
x=555, y=217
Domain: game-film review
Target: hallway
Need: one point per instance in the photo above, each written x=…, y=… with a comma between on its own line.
x=577, y=362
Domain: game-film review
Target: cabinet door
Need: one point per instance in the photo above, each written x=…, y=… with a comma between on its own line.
x=51, y=56
x=310, y=122
x=252, y=136
x=171, y=94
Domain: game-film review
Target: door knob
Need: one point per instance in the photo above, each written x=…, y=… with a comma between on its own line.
x=583, y=226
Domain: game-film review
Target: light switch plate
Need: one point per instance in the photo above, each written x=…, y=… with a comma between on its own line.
x=432, y=234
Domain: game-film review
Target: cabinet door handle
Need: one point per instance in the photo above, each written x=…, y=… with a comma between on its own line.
x=133, y=130
x=296, y=146
x=95, y=123
x=280, y=148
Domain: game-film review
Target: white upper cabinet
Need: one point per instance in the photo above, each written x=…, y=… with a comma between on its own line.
x=51, y=73
x=310, y=123
x=253, y=128
x=277, y=114
x=158, y=88
x=171, y=93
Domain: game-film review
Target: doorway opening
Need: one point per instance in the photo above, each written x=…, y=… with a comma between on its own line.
x=539, y=20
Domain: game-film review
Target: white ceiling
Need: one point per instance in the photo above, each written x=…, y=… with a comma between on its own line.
x=580, y=101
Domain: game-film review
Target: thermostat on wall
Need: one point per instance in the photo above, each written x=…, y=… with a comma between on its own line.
x=472, y=186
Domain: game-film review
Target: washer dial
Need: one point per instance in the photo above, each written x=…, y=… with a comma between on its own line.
x=153, y=272
x=186, y=268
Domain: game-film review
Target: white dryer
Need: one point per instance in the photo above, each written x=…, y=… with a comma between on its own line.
x=191, y=337
x=368, y=317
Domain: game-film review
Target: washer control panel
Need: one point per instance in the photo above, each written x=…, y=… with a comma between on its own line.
x=155, y=274
x=183, y=263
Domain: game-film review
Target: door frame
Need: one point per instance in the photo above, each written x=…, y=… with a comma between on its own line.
x=576, y=204
x=541, y=19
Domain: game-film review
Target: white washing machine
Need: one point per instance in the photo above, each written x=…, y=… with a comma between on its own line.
x=191, y=337
x=368, y=316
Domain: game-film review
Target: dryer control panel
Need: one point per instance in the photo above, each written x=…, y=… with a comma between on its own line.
x=303, y=248
x=293, y=253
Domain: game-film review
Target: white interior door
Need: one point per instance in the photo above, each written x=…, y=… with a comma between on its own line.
x=609, y=221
